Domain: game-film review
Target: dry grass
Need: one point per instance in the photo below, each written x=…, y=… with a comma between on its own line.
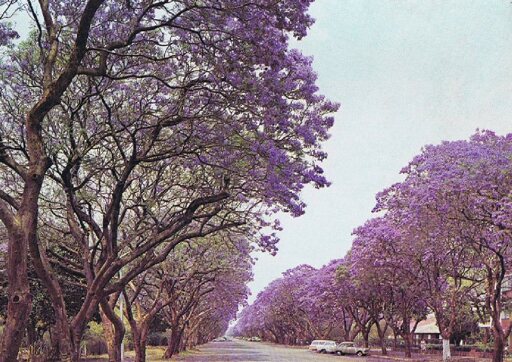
x=153, y=354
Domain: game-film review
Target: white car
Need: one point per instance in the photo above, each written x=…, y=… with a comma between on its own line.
x=351, y=348
x=220, y=339
x=323, y=346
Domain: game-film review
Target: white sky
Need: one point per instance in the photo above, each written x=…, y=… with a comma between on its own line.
x=407, y=73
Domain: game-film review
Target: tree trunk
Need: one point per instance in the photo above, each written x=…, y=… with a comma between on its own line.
x=140, y=351
x=20, y=301
x=140, y=336
x=382, y=341
x=497, y=328
x=447, y=355
x=112, y=340
x=62, y=337
x=346, y=335
x=77, y=332
x=62, y=333
x=114, y=331
x=139, y=344
x=499, y=345
x=22, y=227
x=347, y=327
x=173, y=343
x=408, y=343
x=366, y=337
x=80, y=320
x=274, y=335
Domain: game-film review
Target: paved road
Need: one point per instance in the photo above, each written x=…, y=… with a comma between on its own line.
x=242, y=351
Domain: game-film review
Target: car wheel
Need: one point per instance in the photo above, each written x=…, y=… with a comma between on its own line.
x=322, y=351
x=359, y=353
x=338, y=353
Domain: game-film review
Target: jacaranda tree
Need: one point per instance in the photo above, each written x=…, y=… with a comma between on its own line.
x=276, y=314
x=128, y=103
x=456, y=197
x=179, y=286
x=324, y=299
x=377, y=260
x=448, y=270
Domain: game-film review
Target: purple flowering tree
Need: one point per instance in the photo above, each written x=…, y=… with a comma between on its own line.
x=132, y=103
x=24, y=168
x=448, y=269
x=303, y=305
x=457, y=197
x=277, y=315
x=358, y=310
x=325, y=299
x=363, y=301
x=179, y=284
x=377, y=258
x=206, y=282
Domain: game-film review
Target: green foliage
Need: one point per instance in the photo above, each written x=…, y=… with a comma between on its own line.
x=94, y=329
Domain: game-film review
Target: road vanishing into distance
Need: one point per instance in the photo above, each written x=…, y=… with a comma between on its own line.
x=243, y=351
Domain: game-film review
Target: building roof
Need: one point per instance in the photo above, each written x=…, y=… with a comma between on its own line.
x=428, y=326
x=427, y=329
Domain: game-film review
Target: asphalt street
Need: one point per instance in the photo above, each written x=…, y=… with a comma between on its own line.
x=243, y=351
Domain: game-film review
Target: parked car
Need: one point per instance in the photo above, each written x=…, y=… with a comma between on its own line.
x=220, y=339
x=351, y=348
x=254, y=339
x=313, y=346
x=323, y=346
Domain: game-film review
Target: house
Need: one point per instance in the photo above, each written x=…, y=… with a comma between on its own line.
x=427, y=330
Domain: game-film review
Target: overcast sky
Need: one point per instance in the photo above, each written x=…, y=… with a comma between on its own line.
x=407, y=73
